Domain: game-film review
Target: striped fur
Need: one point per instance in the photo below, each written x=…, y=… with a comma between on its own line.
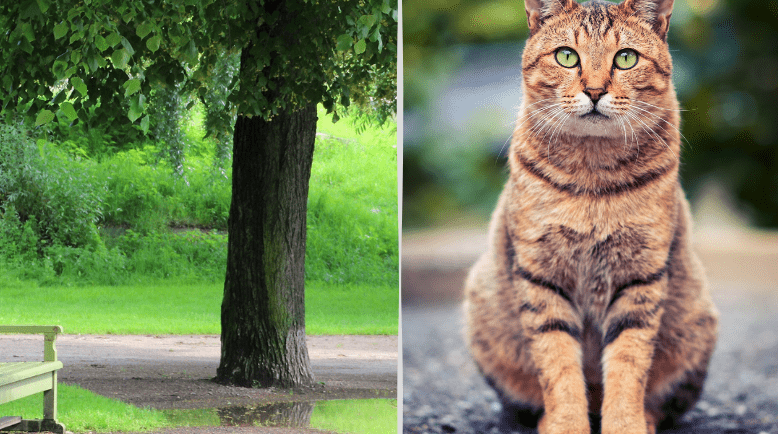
x=590, y=311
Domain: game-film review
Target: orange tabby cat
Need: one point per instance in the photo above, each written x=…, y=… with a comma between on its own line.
x=590, y=311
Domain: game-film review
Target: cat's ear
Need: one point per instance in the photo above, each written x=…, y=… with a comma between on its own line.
x=539, y=10
x=656, y=12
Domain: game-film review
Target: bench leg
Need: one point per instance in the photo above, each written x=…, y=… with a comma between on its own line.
x=35, y=425
x=49, y=422
x=53, y=426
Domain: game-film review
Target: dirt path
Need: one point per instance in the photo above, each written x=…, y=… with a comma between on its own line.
x=175, y=371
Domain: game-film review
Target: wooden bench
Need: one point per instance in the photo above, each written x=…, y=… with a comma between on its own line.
x=20, y=379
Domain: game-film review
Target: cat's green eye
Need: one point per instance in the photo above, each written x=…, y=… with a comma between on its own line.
x=567, y=57
x=625, y=59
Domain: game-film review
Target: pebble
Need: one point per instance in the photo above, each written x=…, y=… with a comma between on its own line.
x=464, y=405
x=424, y=411
x=741, y=410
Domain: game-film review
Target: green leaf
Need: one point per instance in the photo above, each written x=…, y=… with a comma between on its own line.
x=93, y=63
x=153, y=43
x=60, y=97
x=29, y=33
x=131, y=86
x=144, y=124
x=60, y=30
x=76, y=36
x=68, y=110
x=113, y=39
x=367, y=20
x=360, y=46
x=79, y=85
x=136, y=107
x=127, y=46
x=191, y=52
x=101, y=43
x=44, y=117
x=344, y=42
x=44, y=5
x=144, y=29
x=25, y=45
x=120, y=58
x=59, y=67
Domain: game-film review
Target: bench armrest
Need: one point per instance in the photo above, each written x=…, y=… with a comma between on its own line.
x=49, y=336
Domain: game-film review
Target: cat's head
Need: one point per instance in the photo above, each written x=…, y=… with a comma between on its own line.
x=603, y=68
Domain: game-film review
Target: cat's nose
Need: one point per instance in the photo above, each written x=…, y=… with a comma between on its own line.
x=595, y=93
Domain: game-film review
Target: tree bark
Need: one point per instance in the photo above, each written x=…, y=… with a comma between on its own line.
x=263, y=310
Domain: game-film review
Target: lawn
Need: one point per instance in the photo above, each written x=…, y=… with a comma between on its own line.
x=190, y=309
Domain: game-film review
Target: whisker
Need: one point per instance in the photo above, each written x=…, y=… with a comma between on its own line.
x=527, y=117
x=648, y=130
x=662, y=108
x=624, y=128
x=665, y=121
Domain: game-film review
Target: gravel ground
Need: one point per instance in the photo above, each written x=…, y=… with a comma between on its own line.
x=443, y=392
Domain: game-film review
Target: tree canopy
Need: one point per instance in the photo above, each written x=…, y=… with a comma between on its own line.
x=64, y=57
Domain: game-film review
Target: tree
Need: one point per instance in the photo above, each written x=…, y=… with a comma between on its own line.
x=61, y=58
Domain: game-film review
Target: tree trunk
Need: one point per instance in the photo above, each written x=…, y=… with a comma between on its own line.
x=263, y=311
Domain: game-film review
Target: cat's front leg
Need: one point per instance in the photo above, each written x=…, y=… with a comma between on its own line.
x=629, y=339
x=549, y=320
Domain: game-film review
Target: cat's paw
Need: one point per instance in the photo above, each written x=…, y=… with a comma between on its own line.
x=627, y=425
x=563, y=424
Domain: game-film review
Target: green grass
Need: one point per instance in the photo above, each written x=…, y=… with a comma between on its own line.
x=189, y=308
x=362, y=416
x=348, y=416
x=83, y=411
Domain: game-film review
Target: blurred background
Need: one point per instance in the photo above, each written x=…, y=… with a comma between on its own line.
x=462, y=75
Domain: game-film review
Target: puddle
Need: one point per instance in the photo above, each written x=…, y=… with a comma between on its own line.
x=281, y=414
x=353, y=415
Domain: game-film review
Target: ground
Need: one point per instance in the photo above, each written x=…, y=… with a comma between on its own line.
x=444, y=393
x=174, y=372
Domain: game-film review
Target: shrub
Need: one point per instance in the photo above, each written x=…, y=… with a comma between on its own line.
x=43, y=183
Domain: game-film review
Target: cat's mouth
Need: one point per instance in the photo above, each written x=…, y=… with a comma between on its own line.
x=594, y=115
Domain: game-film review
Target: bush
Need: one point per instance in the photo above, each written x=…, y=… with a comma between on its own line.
x=184, y=255
x=43, y=184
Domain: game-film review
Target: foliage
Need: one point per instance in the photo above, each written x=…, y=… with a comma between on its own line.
x=219, y=119
x=724, y=72
x=57, y=198
x=352, y=206
x=76, y=55
x=165, y=110
x=352, y=223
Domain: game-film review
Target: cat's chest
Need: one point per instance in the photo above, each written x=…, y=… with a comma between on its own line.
x=588, y=266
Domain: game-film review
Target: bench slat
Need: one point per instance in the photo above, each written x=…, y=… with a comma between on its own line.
x=14, y=372
x=26, y=387
x=29, y=329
